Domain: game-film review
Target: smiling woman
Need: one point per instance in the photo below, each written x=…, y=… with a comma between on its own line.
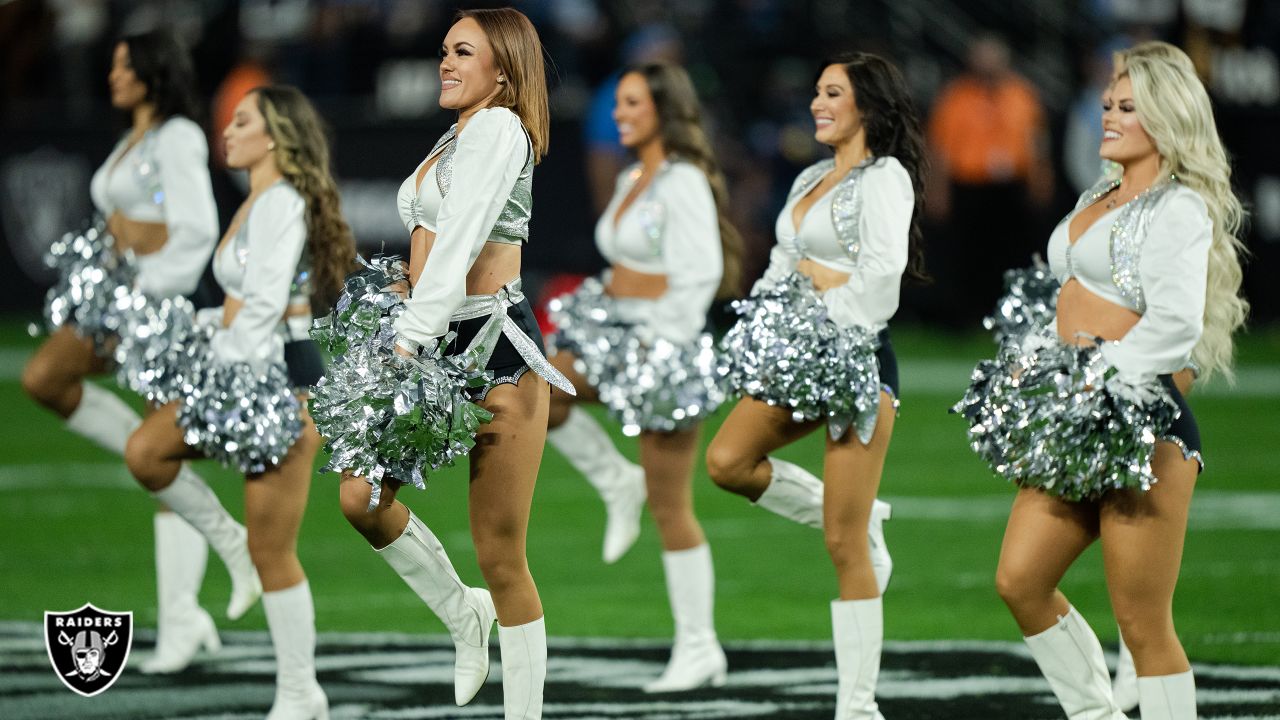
x=466, y=208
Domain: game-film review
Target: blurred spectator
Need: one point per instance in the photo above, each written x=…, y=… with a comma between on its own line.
x=991, y=170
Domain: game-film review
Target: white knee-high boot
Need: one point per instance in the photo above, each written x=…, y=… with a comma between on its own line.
x=103, y=418
x=1125, y=685
x=1070, y=657
x=857, y=627
x=183, y=627
x=1168, y=697
x=467, y=612
x=796, y=494
x=191, y=498
x=524, y=669
x=696, y=658
x=620, y=482
x=291, y=617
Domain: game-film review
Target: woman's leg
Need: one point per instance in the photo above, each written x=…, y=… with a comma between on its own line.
x=273, y=504
x=54, y=377
x=590, y=450
x=851, y=474
x=1043, y=538
x=1142, y=539
x=737, y=460
x=696, y=658
x=504, y=469
x=418, y=557
x=155, y=454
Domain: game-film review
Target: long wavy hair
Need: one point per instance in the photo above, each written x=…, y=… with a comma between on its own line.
x=162, y=63
x=893, y=129
x=302, y=156
x=1174, y=109
x=517, y=51
x=680, y=127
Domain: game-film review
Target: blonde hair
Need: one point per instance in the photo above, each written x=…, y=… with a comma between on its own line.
x=302, y=156
x=517, y=52
x=1174, y=109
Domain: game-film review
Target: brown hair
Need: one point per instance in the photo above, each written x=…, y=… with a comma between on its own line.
x=302, y=156
x=517, y=52
x=680, y=126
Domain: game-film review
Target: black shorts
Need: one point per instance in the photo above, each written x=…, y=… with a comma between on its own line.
x=506, y=364
x=304, y=362
x=1184, y=432
x=888, y=363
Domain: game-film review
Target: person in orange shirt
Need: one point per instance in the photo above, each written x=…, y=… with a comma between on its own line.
x=991, y=169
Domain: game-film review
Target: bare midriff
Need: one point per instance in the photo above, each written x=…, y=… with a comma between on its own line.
x=823, y=277
x=497, y=264
x=143, y=238
x=231, y=307
x=629, y=283
x=1083, y=316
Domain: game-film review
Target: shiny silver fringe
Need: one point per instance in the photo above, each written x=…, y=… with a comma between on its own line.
x=95, y=283
x=243, y=417
x=587, y=325
x=645, y=384
x=1057, y=417
x=785, y=351
x=1030, y=301
x=150, y=358
x=385, y=416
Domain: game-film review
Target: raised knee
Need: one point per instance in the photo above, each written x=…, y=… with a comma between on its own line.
x=353, y=496
x=726, y=467
x=38, y=382
x=142, y=456
x=1016, y=588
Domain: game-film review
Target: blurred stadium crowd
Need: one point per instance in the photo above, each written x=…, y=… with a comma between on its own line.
x=1008, y=92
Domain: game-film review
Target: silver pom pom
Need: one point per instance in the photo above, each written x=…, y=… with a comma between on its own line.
x=662, y=386
x=646, y=384
x=1060, y=419
x=152, y=337
x=386, y=416
x=95, y=284
x=785, y=351
x=243, y=417
x=588, y=326
x=1030, y=301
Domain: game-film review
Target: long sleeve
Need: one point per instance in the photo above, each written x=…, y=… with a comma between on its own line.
x=492, y=150
x=691, y=253
x=1173, y=268
x=189, y=211
x=870, y=297
x=277, y=233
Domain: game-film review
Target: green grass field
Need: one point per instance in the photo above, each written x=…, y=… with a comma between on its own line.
x=77, y=529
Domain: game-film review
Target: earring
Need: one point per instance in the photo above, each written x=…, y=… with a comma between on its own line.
x=271, y=145
x=502, y=80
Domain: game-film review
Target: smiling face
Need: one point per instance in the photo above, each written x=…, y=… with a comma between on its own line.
x=127, y=91
x=1124, y=140
x=634, y=112
x=835, y=112
x=246, y=137
x=468, y=73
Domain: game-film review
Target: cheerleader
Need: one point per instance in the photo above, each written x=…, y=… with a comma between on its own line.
x=650, y=361
x=1150, y=273
x=155, y=194
x=285, y=253
x=813, y=349
x=467, y=208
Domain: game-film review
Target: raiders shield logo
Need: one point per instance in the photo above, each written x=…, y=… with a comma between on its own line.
x=88, y=647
